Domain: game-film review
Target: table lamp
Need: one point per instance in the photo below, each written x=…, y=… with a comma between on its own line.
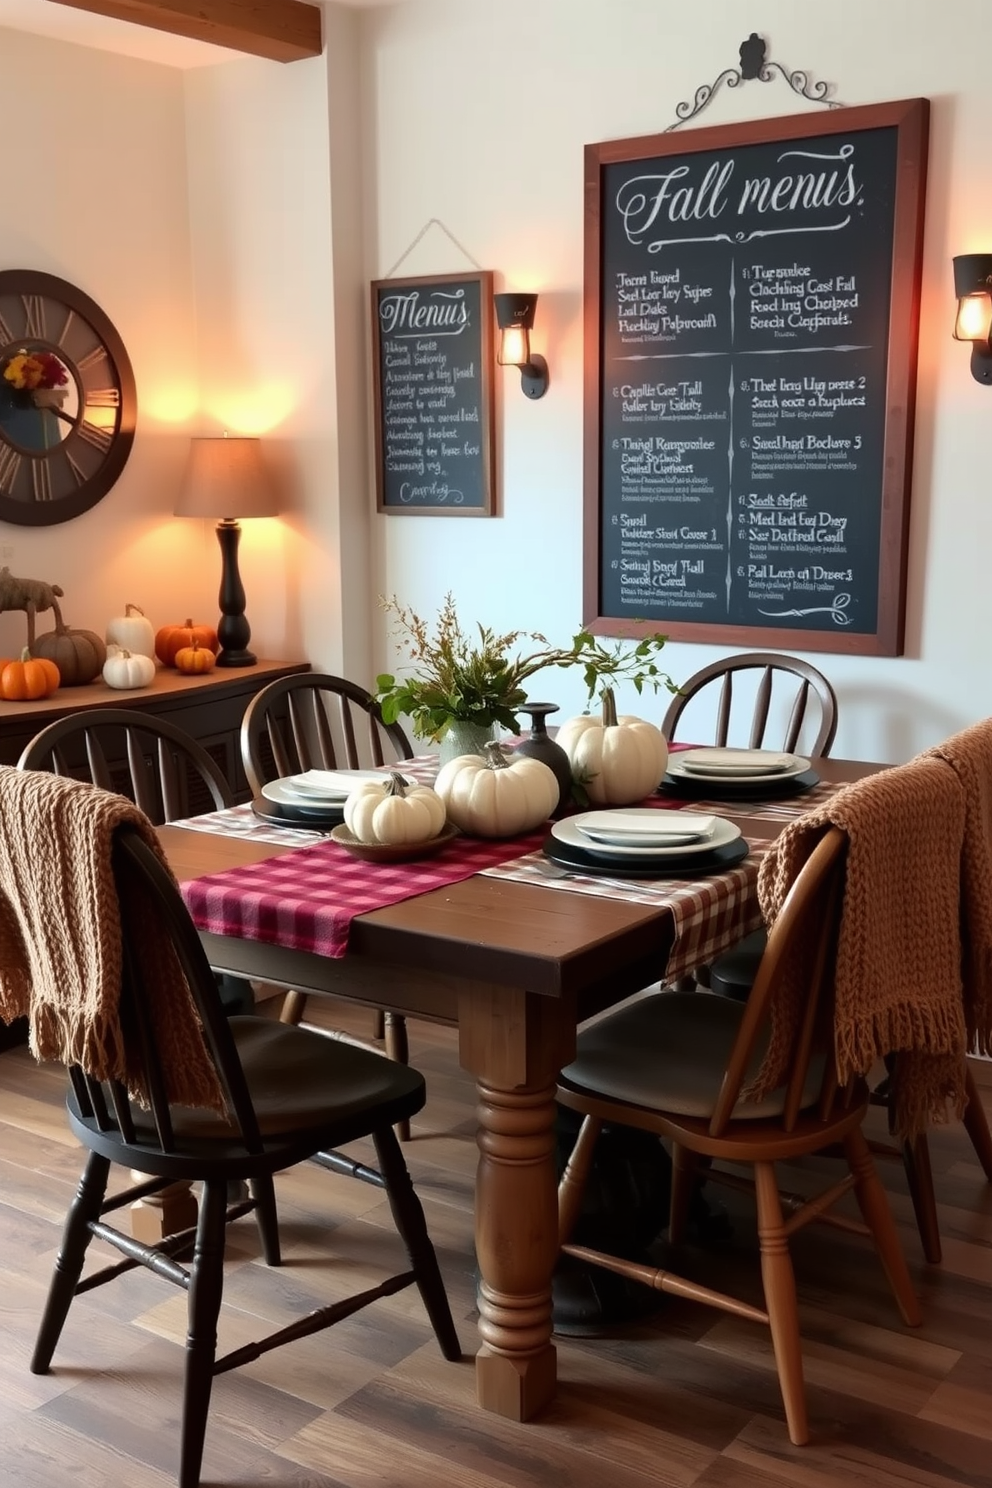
x=228, y=479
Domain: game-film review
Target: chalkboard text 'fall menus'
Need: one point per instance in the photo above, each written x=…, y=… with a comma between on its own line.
x=751, y=310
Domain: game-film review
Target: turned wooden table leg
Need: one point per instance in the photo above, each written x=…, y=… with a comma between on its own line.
x=515, y=1044
x=165, y=1213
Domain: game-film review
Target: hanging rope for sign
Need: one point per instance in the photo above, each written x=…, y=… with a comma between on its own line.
x=433, y=222
x=754, y=64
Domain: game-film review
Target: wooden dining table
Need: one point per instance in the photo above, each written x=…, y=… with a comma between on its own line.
x=516, y=968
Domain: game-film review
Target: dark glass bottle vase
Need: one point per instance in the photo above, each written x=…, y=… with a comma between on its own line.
x=539, y=745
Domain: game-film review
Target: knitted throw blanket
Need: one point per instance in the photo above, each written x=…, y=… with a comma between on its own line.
x=60, y=939
x=898, y=984
x=969, y=755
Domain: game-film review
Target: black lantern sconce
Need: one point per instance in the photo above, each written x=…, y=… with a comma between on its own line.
x=973, y=287
x=515, y=319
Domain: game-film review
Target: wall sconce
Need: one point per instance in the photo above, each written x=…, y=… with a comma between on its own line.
x=973, y=287
x=515, y=319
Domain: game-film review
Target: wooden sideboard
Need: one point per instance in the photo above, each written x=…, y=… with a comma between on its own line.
x=209, y=707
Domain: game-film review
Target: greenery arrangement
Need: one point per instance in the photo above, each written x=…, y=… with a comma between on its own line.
x=479, y=680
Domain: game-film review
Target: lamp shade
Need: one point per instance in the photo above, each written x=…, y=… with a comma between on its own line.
x=226, y=477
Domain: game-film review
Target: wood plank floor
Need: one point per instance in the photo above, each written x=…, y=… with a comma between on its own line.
x=689, y=1399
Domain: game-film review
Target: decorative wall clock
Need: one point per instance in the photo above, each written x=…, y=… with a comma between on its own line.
x=67, y=400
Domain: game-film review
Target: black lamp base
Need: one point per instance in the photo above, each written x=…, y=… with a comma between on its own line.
x=233, y=630
x=236, y=658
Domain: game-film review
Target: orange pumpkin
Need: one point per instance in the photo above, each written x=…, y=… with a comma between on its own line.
x=28, y=679
x=195, y=658
x=172, y=638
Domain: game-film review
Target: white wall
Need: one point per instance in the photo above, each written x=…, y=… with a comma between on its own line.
x=94, y=191
x=506, y=180
x=229, y=219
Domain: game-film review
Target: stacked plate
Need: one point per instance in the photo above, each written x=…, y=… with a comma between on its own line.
x=314, y=798
x=729, y=772
x=644, y=842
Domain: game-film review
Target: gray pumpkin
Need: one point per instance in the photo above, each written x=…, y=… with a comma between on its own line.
x=78, y=654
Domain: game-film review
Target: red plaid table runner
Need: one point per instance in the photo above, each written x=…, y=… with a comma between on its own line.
x=306, y=900
x=711, y=914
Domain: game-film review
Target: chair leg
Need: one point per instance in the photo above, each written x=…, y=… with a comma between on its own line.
x=205, y=1290
x=685, y=1165
x=977, y=1126
x=76, y=1236
x=572, y=1184
x=398, y=1049
x=294, y=1005
x=780, y=1301
x=408, y=1216
x=919, y=1176
x=267, y=1218
x=877, y=1215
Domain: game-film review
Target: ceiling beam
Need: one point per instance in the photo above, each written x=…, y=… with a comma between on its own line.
x=282, y=30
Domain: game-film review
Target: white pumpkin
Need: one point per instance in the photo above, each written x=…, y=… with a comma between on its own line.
x=394, y=812
x=133, y=632
x=123, y=669
x=497, y=795
x=616, y=760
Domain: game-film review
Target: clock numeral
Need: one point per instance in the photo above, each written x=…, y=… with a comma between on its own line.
x=101, y=439
x=78, y=474
x=34, y=315
x=91, y=358
x=6, y=336
x=70, y=316
x=41, y=480
x=108, y=397
x=10, y=464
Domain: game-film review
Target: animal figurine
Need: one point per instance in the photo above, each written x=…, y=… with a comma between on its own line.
x=30, y=595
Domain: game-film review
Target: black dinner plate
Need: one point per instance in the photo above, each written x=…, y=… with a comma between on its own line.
x=289, y=816
x=693, y=865
x=699, y=789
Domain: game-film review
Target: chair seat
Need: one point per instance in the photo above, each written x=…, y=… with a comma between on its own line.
x=669, y=1053
x=300, y=1081
x=733, y=973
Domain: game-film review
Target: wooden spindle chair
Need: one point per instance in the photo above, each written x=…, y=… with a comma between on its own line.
x=315, y=720
x=676, y=1064
x=291, y=1096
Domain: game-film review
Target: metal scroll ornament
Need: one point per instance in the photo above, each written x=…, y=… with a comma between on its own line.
x=754, y=64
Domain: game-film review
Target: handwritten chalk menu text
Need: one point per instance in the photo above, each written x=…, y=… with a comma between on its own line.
x=433, y=351
x=752, y=297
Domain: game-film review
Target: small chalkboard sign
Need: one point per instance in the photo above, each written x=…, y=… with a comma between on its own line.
x=752, y=299
x=432, y=340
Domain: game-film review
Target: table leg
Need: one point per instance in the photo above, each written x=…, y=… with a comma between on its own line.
x=515, y=1044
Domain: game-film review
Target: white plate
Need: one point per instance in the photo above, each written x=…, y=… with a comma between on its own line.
x=644, y=826
x=316, y=806
x=694, y=765
x=318, y=787
x=334, y=782
x=722, y=833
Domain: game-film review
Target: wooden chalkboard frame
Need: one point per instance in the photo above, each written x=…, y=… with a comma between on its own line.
x=910, y=118
x=475, y=471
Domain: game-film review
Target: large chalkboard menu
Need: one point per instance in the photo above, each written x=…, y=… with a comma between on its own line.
x=432, y=344
x=751, y=306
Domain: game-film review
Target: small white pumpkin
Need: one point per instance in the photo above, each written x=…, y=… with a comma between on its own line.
x=496, y=795
x=616, y=760
x=124, y=669
x=393, y=812
x=133, y=632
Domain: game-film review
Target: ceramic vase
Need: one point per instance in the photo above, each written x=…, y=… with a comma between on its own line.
x=539, y=745
x=465, y=738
